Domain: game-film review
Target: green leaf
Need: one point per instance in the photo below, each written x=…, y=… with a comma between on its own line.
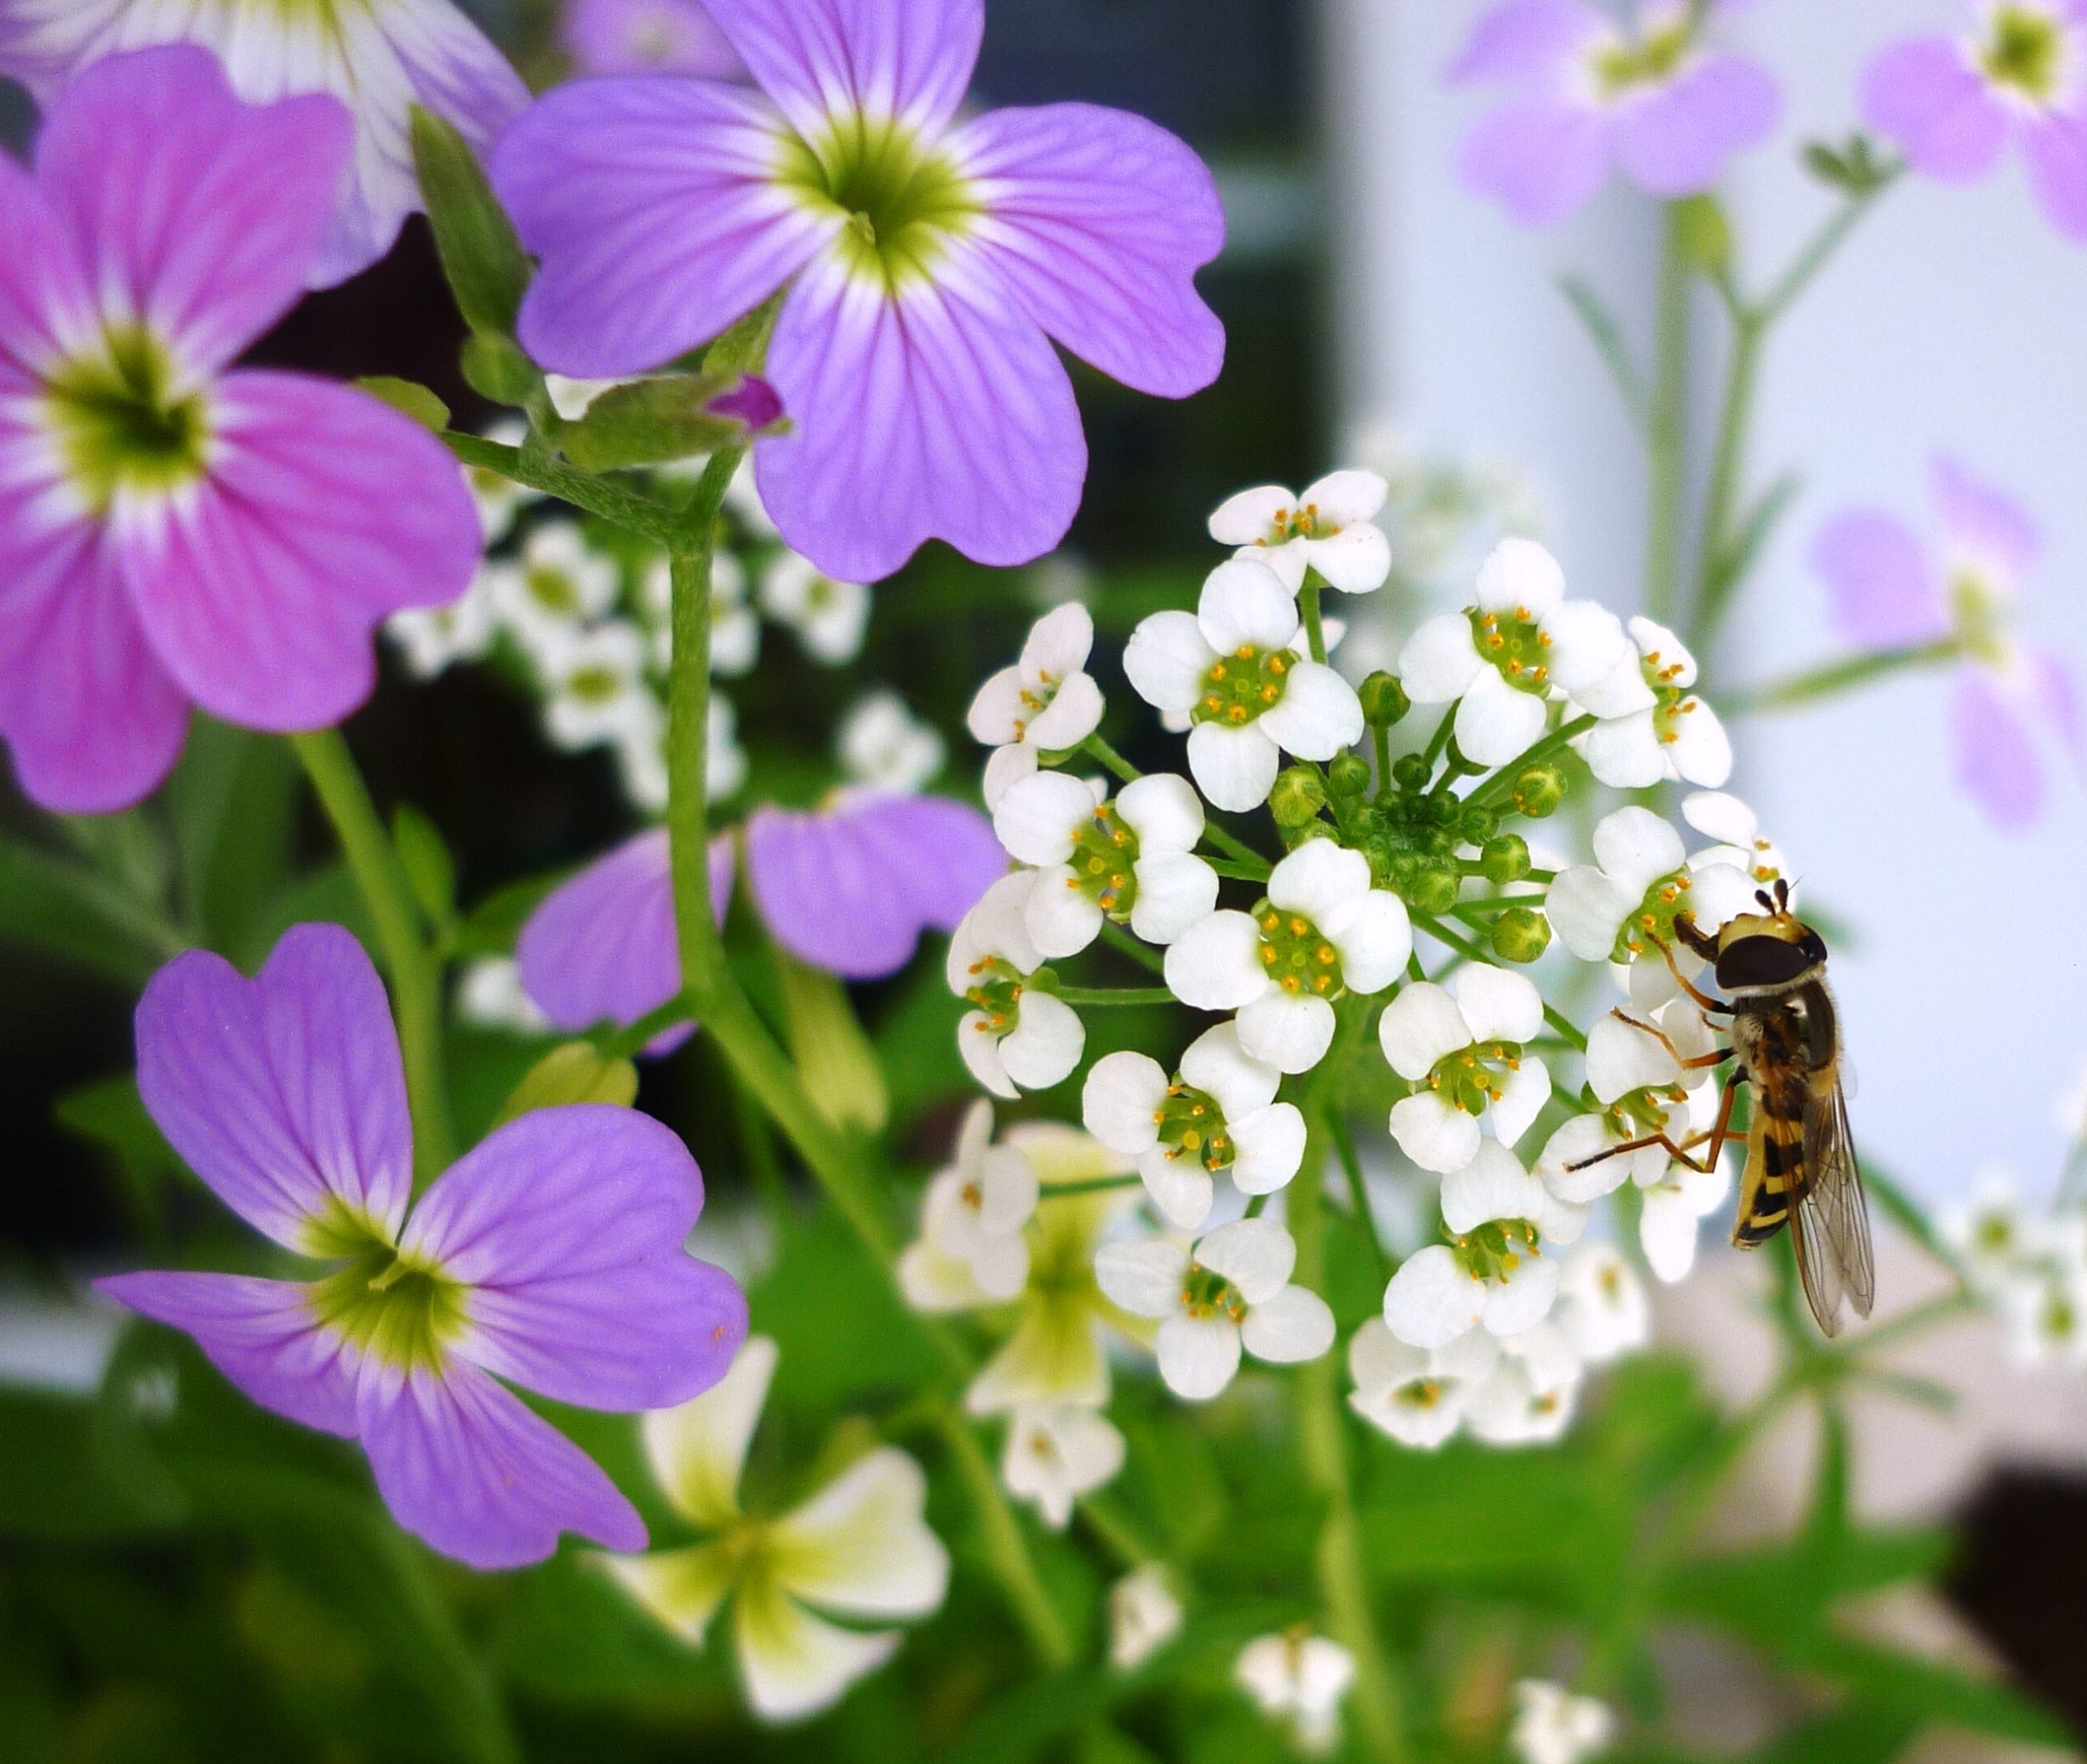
x=110, y=1114
x=488, y=270
x=1863, y=1733
x=1755, y=529
x=1932, y=1692
x=234, y=799
x=576, y=1073
x=65, y=909
x=430, y=869
x=496, y=369
x=834, y=1057
x=409, y=398
x=1608, y=336
x=571, y=1635
x=651, y=422
x=63, y=1476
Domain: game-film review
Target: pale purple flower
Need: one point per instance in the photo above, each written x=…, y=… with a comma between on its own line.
x=931, y=263
x=379, y=57
x=645, y=36
x=549, y=1257
x=173, y=530
x=1888, y=590
x=1656, y=102
x=1952, y=103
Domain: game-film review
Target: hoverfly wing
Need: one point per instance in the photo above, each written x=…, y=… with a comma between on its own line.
x=1830, y=1226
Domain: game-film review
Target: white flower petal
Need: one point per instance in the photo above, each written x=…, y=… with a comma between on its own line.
x=794, y=1664
x=994, y=928
x=1586, y=909
x=1036, y=820
x=1719, y=893
x=1525, y=1299
x=1245, y=605
x=1521, y=1100
x=1520, y=576
x=1582, y=1137
x=1434, y=1135
x=1432, y=1300
x=1635, y=847
x=1074, y=714
x=1256, y=1254
x=1174, y=892
x=1702, y=750
x=1007, y=1190
x=1164, y=811
x=1054, y=1455
x=1663, y=651
x=1440, y=660
x=1621, y=692
x=1357, y=560
x=1291, y=1032
x=1625, y=753
x=1061, y=918
x=979, y=1049
x=999, y=1264
x=1058, y=643
x=1216, y=965
x=1498, y=1004
x=1006, y=767
x=1198, y=1356
x=1318, y=715
x=1249, y=516
x=698, y=1449
x=1497, y=722
x=1290, y=1325
x=1622, y=1057
x=1123, y=1095
x=860, y=1546
x=1666, y=1229
x=1143, y=1616
x=1267, y=1147
x=1179, y=1187
x=1586, y=643
x=1234, y=768
x=1318, y=880
x=1045, y=1045
x=682, y=1588
x=1420, y=1025
x=1346, y=496
x=1717, y=814
x=1144, y=1275
x=1492, y=1185
x=1215, y=1064
x=1374, y=938
x=1166, y=660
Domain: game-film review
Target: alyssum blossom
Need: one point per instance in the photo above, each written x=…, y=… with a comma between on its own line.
x=858, y=1547
x=1322, y=930
x=1016, y=1036
x=1416, y=1395
x=976, y=1209
x=1465, y=1050
x=1552, y=1725
x=930, y=263
x=550, y=1255
x=1053, y=1456
x=1642, y=1088
x=1651, y=726
x=1145, y=1615
x=379, y=58
x=1300, y=1679
x=1046, y=703
x=174, y=530
x=1331, y=528
x=1624, y=904
x=1656, y=102
x=1233, y=675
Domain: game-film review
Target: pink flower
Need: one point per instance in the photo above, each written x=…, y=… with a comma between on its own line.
x=1953, y=103
x=1889, y=591
x=1584, y=95
x=931, y=264
x=174, y=530
x=549, y=1257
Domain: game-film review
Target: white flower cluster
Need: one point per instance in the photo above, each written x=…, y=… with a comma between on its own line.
x=2029, y=1267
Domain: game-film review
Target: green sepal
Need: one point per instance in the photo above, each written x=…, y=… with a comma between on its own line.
x=743, y=348
x=651, y=422
x=486, y=268
x=834, y=1056
x=494, y=368
x=409, y=398
x=1702, y=234
x=576, y=1073
x=1854, y=167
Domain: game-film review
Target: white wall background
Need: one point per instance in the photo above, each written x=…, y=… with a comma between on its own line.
x=1957, y=319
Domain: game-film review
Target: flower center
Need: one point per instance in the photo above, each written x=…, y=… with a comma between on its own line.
x=1994, y=1234
x=595, y=686
x=1621, y=65
x=996, y=989
x=123, y=424
x=1305, y=522
x=2025, y=52
x=1473, y=1077
x=1103, y=852
x=1636, y=1113
x=553, y=590
x=1651, y=922
x=1513, y=644
x=405, y=1312
x=1238, y=687
x=1672, y=700
x=1037, y=696
x=1492, y=1252
x=1205, y=1294
x=1296, y=955
x=1978, y=612
x=1422, y=1394
x=903, y=200
x=1191, y=1125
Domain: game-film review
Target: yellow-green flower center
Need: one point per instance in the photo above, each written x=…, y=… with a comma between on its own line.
x=1473, y=1077
x=1492, y=1252
x=406, y=1312
x=1672, y=701
x=996, y=989
x=1515, y=644
x=902, y=200
x=595, y=686
x=1191, y=1125
x=1103, y=852
x=123, y=424
x=1978, y=613
x=1239, y=687
x=1623, y=65
x=1207, y=1294
x=1637, y=1112
x=2025, y=52
x=1651, y=923
x=1296, y=954
x=552, y=589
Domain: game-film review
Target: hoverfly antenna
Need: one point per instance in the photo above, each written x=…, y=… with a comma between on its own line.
x=1783, y=892
x=1761, y=895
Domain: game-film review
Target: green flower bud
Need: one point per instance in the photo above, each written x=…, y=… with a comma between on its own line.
x=1505, y=859
x=1384, y=702
x=1477, y=826
x=1300, y=793
x=1521, y=935
x=1348, y=775
x=1411, y=772
x=1433, y=891
x=1538, y=790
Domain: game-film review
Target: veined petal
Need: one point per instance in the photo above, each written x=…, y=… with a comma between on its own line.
x=1526, y=1299
x=1521, y=1100
x=1434, y=1135
x=1044, y=1047
x=698, y=1449
x=1586, y=909
x=1622, y=1057
x=1497, y=1004
x=1440, y=660
x=821, y=58
x=1062, y=919
x=1635, y=847
x=1098, y=221
x=1676, y=139
x=1036, y=821
x=325, y=511
x=682, y=1589
x=1248, y=517
x=944, y=395
x=1420, y=1025
x=1625, y=751
x=260, y=1333
x=1497, y=722
x=793, y=1663
x=1179, y=1187
x=1215, y=1062
x=1524, y=40
x=284, y=1093
x=1321, y=880
x=860, y=1547
x=1357, y=560
x=1214, y=967
x=1244, y=603
x=472, y=1473
x=1540, y=157
x=1143, y=1275
x=1162, y=809
x=652, y=206
x=1982, y=526
x=1174, y=892
x=1374, y=936
x=1166, y=658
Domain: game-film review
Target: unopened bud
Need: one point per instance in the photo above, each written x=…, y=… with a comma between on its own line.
x=1298, y=795
x=1505, y=859
x=1477, y=826
x=1411, y=772
x=1384, y=702
x=1520, y=935
x=1348, y=775
x=1433, y=891
x=1538, y=790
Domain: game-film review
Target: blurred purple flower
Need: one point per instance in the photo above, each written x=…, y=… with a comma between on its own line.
x=645, y=36
x=173, y=530
x=1584, y=95
x=1889, y=591
x=379, y=57
x=550, y=1256
x=1951, y=104
x=931, y=263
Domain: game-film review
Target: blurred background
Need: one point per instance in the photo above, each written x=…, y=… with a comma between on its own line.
x=1378, y=314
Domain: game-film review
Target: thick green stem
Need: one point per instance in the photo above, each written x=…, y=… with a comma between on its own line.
x=1829, y=681
x=1666, y=430
x=1004, y=1547
x=1103, y=997
x=415, y=974
x=537, y=468
x=1716, y=577
x=1308, y=609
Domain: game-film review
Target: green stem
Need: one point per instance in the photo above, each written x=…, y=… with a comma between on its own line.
x=1716, y=579
x=1380, y=742
x=1441, y=739
x=1103, y=997
x=1059, y=1191
x=1501, y=785
x=1116, y=1534
x=626, y=508
x=1143, y=954
x=416, y=975
x=1308, y=609
x=1004, y=1547
x=1814, y=258
x=1667, y=425
x=1358, y=1193
x=626, y=1043
x=1831, y=679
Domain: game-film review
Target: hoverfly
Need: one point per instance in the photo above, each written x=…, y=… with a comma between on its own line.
x=1801, y=1168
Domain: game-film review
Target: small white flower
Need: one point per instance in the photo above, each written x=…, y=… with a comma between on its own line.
x=598, y=690
x=499, y=499
x=1131, y=860
x=1232, y=672
x=1554, y=1726
x=1144, y=1616
x=1494, y=1271
x=975, y=1210
x=1015, y=1037
x=548, y=595
x=1465, y=1049
x=490, y=993
x=1219, y=1116
x=1054, y=1455
x=1602, y=1306
x=829, y=617
x=1717, y=814
x=1416, y=1395
x=884, y=745
x=1674, y=1205
x=1300, y=1680
x=1322, y=931
x=1331, y=528
x=1643, y=1089
x=1625, y=902
x=1991, y=1231
x=1231, y=1289
x=1652, y=726
x=1500, y=661
x=1046, y=702
x=2044, y=1312
x=432, y=639
x=1528, y=1397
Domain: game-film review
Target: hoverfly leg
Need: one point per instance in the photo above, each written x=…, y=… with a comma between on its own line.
x=1701, y=945
x=1694, y=1062
x=1679, y=1153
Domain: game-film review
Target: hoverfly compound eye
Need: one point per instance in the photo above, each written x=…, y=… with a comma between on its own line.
x=1813, y=946
x=1761, y=960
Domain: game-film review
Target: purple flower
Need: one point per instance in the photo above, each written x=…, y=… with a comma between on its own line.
x=173, y=531
x=931, y=265
x=1584, y=95
x=1951, y=104
x=1889, y=591
x=550, y=1256
x=645, y=36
